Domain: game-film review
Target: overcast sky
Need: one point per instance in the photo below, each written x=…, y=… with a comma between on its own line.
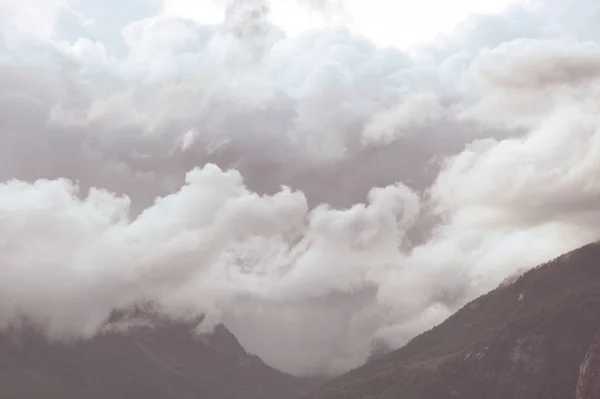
x=319, y=176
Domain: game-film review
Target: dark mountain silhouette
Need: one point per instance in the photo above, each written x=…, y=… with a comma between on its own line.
x=537, y=337
x=166, y=361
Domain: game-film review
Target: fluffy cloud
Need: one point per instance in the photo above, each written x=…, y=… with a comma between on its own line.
x=315, y=193
x=69, y=261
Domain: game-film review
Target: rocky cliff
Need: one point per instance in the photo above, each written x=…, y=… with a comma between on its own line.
x=588, y=383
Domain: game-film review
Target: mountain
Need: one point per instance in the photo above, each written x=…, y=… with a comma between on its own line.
x=535, y=337
x=167, y=360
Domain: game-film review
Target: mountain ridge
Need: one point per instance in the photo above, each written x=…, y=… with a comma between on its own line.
x=167, y=360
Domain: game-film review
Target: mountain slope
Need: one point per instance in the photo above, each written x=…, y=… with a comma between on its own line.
x=168, y=361
x=534, y=338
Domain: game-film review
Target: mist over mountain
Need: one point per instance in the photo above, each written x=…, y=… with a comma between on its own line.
x=313, y=191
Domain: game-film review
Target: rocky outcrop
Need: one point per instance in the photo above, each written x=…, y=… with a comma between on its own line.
x=530, y=354
x=588, y=384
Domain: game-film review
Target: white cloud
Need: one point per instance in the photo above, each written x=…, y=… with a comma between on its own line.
x=31, y=17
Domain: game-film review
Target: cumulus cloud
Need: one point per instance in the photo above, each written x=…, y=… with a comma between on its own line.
x=315, y=193
x=68, y=262
x=549, y=89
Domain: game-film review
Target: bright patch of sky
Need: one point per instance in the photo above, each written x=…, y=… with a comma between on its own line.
x=399, y=23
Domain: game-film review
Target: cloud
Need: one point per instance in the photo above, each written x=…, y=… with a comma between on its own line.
x=418, y=110
x=316, y=193
x=207, y=247
x=547, y=88
x=32, y=17
x=525, y=79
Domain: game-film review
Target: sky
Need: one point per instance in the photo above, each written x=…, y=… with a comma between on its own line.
x=322, y=181
x=401, y=24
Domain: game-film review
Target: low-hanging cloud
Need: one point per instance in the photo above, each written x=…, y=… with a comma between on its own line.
x=317, y=194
